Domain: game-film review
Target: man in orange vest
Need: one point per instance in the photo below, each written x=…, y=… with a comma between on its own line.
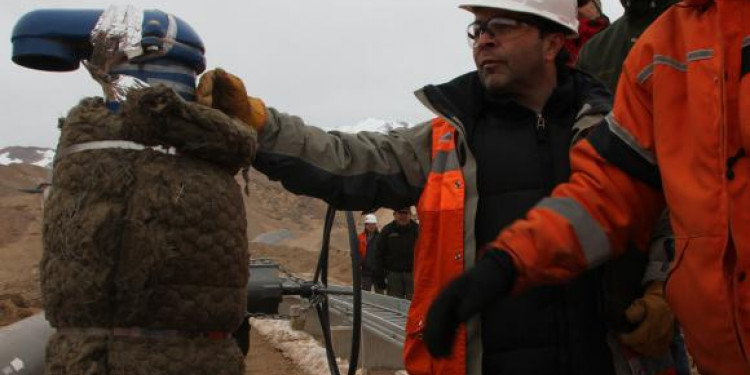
x=499, y=143
x=679, y=134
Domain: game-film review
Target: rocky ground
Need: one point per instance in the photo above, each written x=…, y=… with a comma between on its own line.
x=20, y=242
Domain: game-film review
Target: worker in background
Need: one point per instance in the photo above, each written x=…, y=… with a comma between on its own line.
x=591, y=21
x=394, y=255
x=604, y=54
x=368, y=239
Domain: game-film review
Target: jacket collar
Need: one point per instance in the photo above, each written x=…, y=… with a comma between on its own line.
x=459, y=100
x=463, y=98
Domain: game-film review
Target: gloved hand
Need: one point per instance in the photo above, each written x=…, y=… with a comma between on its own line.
x=488, y=281
x=225, y=92
x=655, y=321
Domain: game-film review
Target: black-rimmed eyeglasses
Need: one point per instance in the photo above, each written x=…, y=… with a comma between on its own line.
x=499, y=28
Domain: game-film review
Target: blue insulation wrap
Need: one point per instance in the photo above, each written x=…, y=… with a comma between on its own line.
x=53, y=40
x=58, y=39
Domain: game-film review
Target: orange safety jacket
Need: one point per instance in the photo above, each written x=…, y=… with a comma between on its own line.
x=679, y=132
x=441, y=237
x=362, y=246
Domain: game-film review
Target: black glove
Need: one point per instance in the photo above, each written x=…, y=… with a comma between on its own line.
x=490, y=279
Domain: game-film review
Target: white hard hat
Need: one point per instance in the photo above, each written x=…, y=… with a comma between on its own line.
x=561, y=12
x=371, y=219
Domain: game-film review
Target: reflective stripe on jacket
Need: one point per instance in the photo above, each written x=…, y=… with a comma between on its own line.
x=683, y=102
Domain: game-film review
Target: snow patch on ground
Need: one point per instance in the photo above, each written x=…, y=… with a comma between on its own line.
x=298, y=346
x=47, y=156
x=5, y=159
x=301, y=348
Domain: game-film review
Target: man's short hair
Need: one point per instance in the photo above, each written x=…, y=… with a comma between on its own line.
x=547, y=27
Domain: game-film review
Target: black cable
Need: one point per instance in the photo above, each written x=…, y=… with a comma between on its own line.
x=321, y=277
x=322, y=309
x=356, y=293
x=321, y=271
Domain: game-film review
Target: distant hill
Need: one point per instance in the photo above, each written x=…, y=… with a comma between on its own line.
x=41, y=157
x=269, y=207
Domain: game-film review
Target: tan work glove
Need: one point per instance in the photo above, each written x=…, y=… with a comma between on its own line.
x=655, y=331
x=225, y=92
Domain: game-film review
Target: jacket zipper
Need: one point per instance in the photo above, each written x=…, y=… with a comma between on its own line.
x=541, y=128
x=545, y=151
x=561, y=293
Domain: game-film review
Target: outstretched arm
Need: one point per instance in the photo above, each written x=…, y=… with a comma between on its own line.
x=349, y=171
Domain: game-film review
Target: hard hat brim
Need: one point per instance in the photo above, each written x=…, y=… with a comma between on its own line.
x=570, y=24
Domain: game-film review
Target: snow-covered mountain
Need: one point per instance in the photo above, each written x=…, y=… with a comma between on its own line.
x=372, y=125
x=38, y=156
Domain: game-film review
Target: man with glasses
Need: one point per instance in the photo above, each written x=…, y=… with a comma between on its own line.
x=678, y=135
x=394, y=255
x=498, y=144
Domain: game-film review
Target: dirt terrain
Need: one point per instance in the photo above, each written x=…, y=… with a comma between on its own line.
x=20, y=242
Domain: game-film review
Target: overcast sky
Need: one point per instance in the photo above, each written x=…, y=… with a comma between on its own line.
x=332, y=62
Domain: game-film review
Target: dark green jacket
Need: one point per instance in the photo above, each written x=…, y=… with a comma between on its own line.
x=603, y=55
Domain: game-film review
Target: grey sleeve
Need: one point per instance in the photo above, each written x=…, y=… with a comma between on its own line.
x=349, y=171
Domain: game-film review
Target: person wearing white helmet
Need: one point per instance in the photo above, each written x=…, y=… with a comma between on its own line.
x=367, y=241
x=371, y=219
x=498, y=143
